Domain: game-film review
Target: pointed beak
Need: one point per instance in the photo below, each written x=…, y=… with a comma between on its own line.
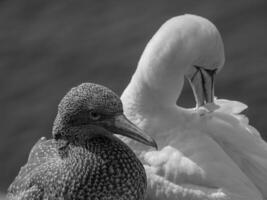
x=202, y=83
x=123, y=126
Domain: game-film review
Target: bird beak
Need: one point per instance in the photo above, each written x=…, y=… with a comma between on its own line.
x=123, y=126
x=202, y=83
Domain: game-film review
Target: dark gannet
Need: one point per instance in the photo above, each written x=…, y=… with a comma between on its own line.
x=84, y=160
x=210, y=152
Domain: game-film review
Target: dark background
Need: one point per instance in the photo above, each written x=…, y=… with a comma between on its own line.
x=47, y=47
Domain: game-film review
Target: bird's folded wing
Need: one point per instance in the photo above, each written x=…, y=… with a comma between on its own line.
x=242, y=142
x=235, y=109
x=162, y=189
x=172, y=175
x=229, y=106
x=44, y=150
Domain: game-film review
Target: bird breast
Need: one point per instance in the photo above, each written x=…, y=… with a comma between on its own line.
x=103, y=167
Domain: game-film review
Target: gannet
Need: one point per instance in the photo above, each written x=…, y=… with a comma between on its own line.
x=209, y=152
x=84, y=160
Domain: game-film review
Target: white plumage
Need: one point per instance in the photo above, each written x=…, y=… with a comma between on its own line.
x=210, y=152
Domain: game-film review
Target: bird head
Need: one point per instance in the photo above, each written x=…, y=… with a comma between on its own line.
x=90, y=109
x=207, y=58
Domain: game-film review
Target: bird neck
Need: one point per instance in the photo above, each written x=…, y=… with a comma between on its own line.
x=158, y=80
x=142, y=103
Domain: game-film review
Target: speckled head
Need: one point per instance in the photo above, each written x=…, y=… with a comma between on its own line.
x=89, y=97
x=91, y=107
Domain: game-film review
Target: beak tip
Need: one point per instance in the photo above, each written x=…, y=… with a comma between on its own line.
x=127, y=128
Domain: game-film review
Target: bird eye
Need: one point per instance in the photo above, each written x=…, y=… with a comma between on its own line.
x=94, y=115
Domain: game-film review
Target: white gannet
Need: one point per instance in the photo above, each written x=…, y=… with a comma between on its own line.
x=204, y=153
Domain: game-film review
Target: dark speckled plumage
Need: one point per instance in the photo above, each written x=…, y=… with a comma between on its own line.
x=83, y=160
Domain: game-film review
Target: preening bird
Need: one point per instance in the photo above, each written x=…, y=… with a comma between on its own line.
x=84, y=160
x=209, y=152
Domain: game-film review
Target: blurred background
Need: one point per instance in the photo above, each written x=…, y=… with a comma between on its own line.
x=47, y=47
